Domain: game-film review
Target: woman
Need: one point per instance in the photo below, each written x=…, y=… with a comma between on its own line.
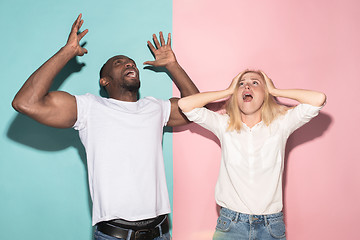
x=253, y=134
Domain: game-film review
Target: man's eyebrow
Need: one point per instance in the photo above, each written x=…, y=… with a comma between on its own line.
x=124, y=59
x=119, y=58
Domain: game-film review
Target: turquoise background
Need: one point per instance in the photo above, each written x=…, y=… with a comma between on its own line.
x=43, y=179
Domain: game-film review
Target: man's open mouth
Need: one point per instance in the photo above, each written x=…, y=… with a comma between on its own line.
x=130, y=73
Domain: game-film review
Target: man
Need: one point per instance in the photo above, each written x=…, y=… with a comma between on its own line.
x=121, y=134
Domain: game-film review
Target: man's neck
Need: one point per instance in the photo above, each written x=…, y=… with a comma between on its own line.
x=126, y=96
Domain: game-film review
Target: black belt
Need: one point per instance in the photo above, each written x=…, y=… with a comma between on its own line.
x=110, y=228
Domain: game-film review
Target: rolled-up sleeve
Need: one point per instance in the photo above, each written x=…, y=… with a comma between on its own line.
x=300, y=115
x=82, y=104
x=166, y=106
x=208, y=119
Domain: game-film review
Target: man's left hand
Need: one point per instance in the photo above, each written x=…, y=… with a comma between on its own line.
x=164, y=55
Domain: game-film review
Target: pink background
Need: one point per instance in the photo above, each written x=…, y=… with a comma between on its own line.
x=299, y=44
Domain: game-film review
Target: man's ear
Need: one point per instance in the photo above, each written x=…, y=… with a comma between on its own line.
x=104, y=81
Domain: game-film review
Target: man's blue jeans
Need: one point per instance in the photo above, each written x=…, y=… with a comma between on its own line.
x=233, y=225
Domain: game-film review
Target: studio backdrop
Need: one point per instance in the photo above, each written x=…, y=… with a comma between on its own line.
x=299, y=44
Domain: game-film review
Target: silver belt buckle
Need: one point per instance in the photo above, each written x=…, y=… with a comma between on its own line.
x=145, y=234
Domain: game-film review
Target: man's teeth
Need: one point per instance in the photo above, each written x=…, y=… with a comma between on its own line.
x=131, y=74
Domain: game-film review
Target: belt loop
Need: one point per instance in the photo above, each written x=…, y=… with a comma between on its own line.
x=236, y=217
x=129, y=234
x=159, y=226
x=266, y=220
x=160, y=230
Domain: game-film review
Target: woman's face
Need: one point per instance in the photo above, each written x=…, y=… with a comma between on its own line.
x=251, y=93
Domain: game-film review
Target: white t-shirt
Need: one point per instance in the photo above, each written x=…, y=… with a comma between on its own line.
x=252, y=160
x=123, y=143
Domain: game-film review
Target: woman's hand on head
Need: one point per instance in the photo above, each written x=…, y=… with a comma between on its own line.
x=269, y=83
x=234, y=82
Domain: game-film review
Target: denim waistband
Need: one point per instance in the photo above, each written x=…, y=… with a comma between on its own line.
x=237, y=216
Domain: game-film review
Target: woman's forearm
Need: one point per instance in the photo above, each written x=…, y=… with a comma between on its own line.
x=189, y=103
x=313, y=98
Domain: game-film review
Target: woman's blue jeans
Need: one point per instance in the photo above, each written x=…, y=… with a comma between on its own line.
x=232, y=225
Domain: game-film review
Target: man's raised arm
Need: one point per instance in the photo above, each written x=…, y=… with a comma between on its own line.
x=55, y=109
x=164, y=56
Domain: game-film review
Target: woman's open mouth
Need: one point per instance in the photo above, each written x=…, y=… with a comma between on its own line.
x=247, y=97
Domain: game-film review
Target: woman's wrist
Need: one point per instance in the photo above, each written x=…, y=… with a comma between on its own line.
x=274, y=92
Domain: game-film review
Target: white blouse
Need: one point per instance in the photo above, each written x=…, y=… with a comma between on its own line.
x=252, y=160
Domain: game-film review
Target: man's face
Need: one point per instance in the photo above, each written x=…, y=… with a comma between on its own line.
x=123, y=73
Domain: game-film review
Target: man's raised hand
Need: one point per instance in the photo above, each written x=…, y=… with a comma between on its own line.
x=163, y=52
x=75, y=36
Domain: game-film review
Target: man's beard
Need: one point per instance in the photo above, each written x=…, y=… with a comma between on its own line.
x=133, y=87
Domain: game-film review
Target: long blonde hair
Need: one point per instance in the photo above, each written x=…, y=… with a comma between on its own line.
x=270, y=109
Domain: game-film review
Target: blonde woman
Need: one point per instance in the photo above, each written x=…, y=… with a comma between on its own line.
x=253, y=134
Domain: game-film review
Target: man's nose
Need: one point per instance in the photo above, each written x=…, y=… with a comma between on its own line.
x=129, y=64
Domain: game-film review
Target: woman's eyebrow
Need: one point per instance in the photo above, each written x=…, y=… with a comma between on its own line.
x=253, y=78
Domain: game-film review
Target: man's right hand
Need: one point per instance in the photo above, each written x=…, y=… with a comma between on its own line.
x=58, y=108
x=75, y=36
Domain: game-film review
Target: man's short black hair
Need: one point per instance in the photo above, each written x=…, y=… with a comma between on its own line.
x=103, y=74
x=102, y=71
